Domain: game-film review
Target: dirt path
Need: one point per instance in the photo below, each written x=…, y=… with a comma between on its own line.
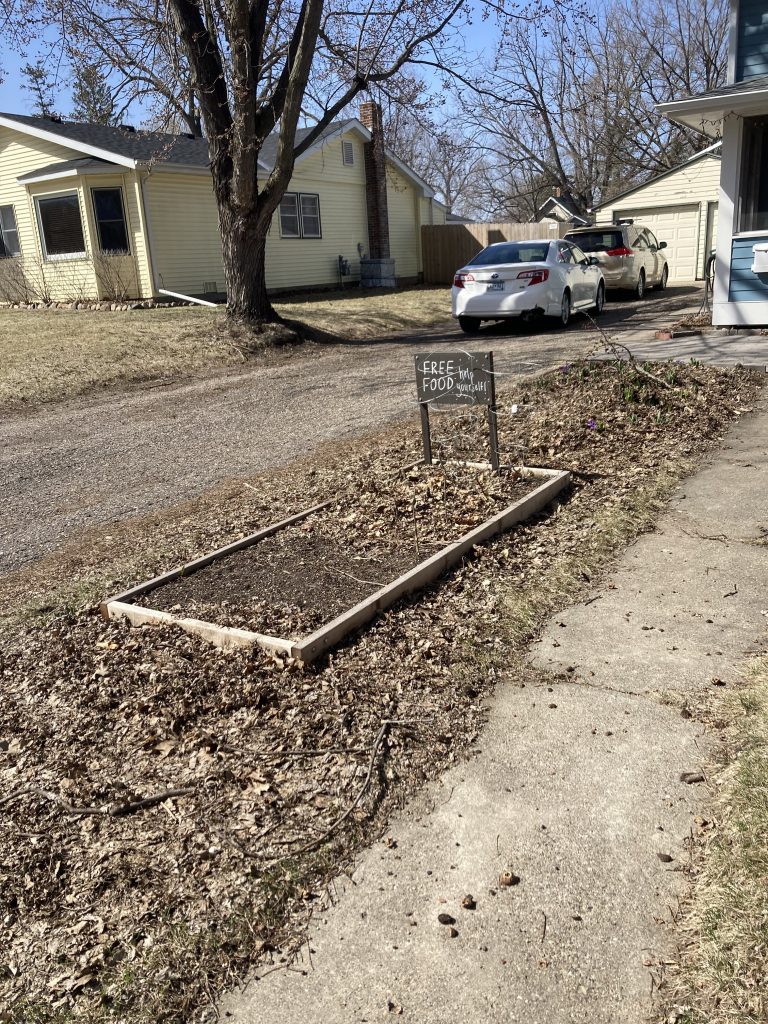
x=95, y=460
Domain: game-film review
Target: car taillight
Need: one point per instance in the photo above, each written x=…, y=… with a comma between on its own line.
x=534, y=276
x=621, y=251
x=461, y=279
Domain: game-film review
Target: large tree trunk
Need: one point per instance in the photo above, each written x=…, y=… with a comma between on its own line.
x=243, y=242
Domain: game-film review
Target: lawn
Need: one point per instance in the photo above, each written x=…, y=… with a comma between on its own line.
x=47, y=355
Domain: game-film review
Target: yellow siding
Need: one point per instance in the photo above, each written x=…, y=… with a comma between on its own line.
x=696, y=182
x=183, y=227
x=60, y=279
x=172, y=223
x=404, y=224
x=297, y=262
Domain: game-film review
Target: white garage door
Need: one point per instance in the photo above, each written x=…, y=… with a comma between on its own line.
x=678, y=226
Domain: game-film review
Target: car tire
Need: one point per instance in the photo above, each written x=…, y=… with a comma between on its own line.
x=565, y=309
x=469, y=324
x=664, y=278
x=639, y=292
x=599, y=299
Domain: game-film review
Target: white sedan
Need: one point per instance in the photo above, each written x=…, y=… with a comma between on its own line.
x=511, y=279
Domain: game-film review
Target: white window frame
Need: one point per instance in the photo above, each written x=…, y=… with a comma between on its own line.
x=62, y=256
x=347, y=149
x=11, y=255
x=298, y=196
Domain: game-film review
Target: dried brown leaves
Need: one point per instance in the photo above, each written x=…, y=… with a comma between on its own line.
x=143, y=916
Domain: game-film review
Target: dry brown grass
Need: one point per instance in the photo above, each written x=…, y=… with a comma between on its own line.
x=47, y=355
x=722, y=977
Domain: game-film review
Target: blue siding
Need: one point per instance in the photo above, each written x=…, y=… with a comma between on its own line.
x=752, y=40
x=746, y=286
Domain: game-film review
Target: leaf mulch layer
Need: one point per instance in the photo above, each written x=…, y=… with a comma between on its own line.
x=170, y=814
x=308, y=573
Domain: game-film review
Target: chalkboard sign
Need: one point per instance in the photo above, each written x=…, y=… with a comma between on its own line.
x=455, y=378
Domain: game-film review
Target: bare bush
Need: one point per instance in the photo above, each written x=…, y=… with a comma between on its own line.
x=114, y=272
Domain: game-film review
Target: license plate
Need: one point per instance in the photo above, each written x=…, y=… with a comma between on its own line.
x=495, y=286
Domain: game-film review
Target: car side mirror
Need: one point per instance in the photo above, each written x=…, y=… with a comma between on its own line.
x=662, y=245
x=594, y=261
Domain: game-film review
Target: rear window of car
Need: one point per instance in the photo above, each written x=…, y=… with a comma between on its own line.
x=514, y=252
x=596, y=241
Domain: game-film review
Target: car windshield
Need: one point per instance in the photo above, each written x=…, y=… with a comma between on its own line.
x=511, y=252
x=597, y=240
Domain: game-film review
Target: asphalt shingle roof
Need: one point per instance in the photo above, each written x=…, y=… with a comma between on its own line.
x=756, y=84
x=146, y=146
x=84, y=163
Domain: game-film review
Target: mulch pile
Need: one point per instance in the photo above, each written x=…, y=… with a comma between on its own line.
x=169, y=814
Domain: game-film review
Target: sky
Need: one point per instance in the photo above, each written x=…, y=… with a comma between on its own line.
x=15, y=99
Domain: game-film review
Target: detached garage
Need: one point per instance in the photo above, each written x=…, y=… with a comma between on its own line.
x=680, y=208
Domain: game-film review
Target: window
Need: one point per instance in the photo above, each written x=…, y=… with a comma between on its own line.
x=300, y=216
x=565, y=253
x=61, y=227
x=347, y=153
x=110, y=219
x=9, y=236
x=597, y=240
x=578, y=255
x=511, y=252
x=753, y=214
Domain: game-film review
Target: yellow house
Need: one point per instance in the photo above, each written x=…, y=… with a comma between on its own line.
x=109, y=212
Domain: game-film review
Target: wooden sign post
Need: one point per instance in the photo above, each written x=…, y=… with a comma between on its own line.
x=456, y=378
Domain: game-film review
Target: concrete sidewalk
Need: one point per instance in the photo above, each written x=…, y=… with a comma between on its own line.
x=576, y=791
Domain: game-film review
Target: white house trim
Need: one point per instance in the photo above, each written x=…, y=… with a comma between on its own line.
x=66, y=143
x=717, y=108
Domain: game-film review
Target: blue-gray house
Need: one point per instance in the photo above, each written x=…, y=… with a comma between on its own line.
x=738, y=112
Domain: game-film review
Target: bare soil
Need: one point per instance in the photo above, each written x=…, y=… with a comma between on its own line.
x=296, y=580
x=170, y=814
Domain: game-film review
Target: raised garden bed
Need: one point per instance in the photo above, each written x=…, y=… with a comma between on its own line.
x=300, y=586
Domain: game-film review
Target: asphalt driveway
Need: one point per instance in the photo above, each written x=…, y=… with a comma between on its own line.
x=102, y=458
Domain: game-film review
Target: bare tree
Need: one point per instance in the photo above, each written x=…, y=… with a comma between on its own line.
x=569, y=104
x=449, y=160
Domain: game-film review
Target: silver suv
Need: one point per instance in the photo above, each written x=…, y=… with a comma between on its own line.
x=630, y=257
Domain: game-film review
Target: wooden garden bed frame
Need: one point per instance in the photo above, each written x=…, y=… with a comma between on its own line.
x=310, y=647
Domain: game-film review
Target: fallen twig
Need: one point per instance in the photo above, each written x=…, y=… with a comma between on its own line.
x=381, y=735
x=106, y=810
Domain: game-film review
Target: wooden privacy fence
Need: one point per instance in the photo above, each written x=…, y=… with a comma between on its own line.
x=446, y=247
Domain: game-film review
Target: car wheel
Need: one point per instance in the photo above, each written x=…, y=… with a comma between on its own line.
x=640, y=286
x=565, y=309
x=664, y=278
x=469, y=324
x=600, y=299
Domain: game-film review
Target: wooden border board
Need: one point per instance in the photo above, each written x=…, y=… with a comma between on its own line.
x=327, y=636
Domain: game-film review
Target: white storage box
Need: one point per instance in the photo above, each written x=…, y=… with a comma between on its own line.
x=760, y=258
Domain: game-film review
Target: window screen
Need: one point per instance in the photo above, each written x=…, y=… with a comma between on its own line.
x=110, y=219
x=61, y=226
x=9, y=236
x=754, y=171
x=289, y=216
x=310, y=216
x=300, y=216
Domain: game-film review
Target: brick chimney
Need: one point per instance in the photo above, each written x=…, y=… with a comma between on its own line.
x=376, y=182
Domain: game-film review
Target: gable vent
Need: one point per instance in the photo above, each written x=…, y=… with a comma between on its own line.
x=347, y=153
